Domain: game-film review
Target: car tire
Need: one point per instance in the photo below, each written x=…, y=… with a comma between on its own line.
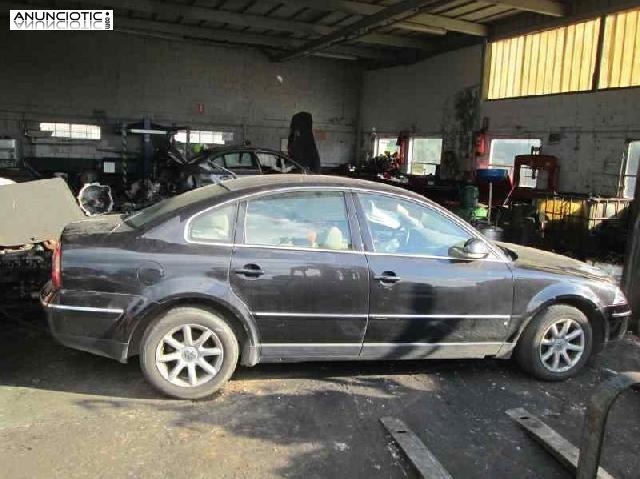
x=555, y=357
x=171, y=354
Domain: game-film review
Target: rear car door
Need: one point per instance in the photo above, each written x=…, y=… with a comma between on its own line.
x=424, y=303
x=299, y=267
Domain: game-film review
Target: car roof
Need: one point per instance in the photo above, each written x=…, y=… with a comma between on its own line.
x=226, y=148
x=222, y=149
x=253, y=184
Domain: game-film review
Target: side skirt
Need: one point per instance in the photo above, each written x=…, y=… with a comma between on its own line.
x=295, y=352
x=429, y=350
x=292, y=352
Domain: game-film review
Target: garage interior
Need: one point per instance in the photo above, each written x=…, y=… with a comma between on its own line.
x=521, y=116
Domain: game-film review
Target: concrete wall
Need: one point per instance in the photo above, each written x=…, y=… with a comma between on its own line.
x=422, y=98
x=111, y=77
x=588, y=132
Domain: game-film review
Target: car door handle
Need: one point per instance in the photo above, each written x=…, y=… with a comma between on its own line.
x=387, y=277
x=250, y=270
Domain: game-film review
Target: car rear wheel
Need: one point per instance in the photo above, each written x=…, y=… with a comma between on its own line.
x=189, y=353
x=556, y=344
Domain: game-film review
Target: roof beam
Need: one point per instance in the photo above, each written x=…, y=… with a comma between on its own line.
x=357, y=29
x=437, y=23
x=136, y=26
x=359, y=8
x=452, y=24
x=176, y=31
x=543, y=7
x=392, y=41
x=166, y=9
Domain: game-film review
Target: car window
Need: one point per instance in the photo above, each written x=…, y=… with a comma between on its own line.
x=215, y=225
x=242, y=159
x=269, y=162
x=218, y=161
x=169, y=205
x=272, y=163
x=404, y=227
x=307, y=219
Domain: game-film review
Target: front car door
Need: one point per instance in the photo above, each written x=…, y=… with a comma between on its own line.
x=271, y=163
x=299, y=267
x=424, y=303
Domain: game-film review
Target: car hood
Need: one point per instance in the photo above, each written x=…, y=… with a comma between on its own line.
x=545, y=261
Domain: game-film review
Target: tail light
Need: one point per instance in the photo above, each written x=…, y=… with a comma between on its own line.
x=56, y=267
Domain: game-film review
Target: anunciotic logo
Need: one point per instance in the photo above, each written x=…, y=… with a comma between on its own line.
x=61, y=20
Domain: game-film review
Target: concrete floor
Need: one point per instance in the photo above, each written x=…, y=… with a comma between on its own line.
x=69, y=414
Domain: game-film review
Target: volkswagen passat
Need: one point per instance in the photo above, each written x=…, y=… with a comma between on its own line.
x=305, y=268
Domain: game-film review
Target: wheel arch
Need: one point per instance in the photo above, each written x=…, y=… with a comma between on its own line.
x=244, y=328
x=586, y=306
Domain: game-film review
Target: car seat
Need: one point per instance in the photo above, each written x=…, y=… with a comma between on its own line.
x=334, y=239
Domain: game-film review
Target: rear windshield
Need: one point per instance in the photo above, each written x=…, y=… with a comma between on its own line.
x=157, y=211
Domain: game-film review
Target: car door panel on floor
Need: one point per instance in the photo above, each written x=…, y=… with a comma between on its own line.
x=424, y=303
x=296, y=269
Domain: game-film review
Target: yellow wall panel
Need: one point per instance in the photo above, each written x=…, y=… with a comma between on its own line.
x=568, y=58
x=552, y=61
x=565, y=59
x=574, y=84
x=635, y=73
x=535, y=49
x=620, y=64
x=524, y=86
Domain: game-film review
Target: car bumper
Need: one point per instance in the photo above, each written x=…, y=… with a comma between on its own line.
x=93, y=328
x=618, y=318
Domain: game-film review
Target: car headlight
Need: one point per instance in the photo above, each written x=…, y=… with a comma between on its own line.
x=619, y=298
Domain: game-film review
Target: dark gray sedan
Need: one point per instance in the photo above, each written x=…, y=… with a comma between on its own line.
x=304, y=268
x=226, y=162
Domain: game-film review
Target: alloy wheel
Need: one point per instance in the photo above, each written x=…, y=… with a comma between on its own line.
x=189, y=355
x=562, y=345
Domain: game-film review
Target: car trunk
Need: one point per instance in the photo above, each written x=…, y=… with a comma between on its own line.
x=82, y=231
x=91, y=252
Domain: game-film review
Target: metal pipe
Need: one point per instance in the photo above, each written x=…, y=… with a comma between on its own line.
x=595, y=422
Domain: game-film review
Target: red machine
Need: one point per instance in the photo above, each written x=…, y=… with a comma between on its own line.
x=534, y=176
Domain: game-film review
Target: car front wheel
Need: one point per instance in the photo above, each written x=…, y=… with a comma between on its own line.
x=556, y=344
x=189, y=353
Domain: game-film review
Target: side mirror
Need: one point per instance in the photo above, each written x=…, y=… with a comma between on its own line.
x=474, y=248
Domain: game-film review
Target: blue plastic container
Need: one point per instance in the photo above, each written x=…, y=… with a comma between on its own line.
x=492, y=175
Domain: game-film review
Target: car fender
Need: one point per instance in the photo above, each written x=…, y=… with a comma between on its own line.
x=198, y=291
x=574, y=294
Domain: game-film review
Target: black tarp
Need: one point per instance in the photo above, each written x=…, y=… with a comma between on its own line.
x=302, y=145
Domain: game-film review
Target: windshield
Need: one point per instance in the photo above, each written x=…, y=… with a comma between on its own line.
x=160, y=209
